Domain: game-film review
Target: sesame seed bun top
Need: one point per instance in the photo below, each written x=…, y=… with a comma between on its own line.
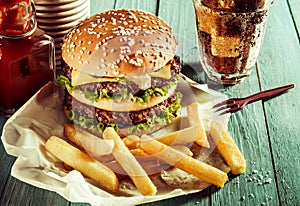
x=119, y=43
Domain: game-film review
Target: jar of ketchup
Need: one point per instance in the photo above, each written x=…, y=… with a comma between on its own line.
x=27, y=59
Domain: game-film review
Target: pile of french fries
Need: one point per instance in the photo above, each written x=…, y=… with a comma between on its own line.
x=171, y=149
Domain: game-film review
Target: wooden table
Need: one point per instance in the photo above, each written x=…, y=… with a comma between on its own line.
x=268, y=133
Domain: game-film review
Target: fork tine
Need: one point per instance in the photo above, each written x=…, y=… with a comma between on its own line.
x=225, y=112
x=231, y=110
x=225, y=106
x=223, y=103
x=234, y=109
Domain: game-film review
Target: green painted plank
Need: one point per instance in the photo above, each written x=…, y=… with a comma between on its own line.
x=15, y=192
x=255, y=148
x=6, y=161
x=146, y=5
x=19, y=193
x=179, y=15
x=98, y=6
x=280, y=66
x=248, y=129
x=295, y=10
x=181, y=19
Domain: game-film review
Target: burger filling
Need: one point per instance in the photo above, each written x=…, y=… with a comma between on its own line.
x=124, y=89
x=95, y=119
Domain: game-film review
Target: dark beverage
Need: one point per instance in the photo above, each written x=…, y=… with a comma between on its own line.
x=230, y=41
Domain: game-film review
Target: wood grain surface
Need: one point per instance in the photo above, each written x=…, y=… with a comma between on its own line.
x=268, y=133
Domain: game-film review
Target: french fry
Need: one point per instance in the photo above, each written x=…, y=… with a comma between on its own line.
x=93, y=145
x=183, y=149
x=131, y=141
x=180, y=148
x=82, y=162
x=195, y=121
x=184, y=162
x=183, y=136
x=138, y=152
x=228, y=148
x=130, y=164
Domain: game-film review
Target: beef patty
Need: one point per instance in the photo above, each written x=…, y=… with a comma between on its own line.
x=121, y=118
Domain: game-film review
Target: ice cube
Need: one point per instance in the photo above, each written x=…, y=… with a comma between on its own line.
x=205, y=19
x=225, y=46
x=224, y=5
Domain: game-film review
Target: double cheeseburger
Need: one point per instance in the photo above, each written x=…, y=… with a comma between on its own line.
x=120, y=70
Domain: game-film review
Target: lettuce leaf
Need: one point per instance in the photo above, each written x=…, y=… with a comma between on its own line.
x=168, y=114
x=95, y=96
x=65, y=81
x=166, y=118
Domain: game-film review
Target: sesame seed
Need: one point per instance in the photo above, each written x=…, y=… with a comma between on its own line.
x=125, y=49
x=268, y=181
x=97, y=46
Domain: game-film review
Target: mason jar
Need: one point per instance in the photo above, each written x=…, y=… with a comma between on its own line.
x=27, y=55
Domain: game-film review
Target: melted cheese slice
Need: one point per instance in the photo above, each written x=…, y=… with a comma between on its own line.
x=79, y=78
x=164, y=72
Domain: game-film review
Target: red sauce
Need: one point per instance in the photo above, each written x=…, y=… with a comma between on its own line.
x=20, y=74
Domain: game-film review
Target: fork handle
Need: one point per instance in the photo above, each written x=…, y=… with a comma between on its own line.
x=270, y=93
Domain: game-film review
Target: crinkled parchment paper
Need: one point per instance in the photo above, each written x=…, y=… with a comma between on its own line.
x=26, y=132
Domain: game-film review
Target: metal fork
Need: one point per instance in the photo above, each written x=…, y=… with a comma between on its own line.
x=236, y=104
